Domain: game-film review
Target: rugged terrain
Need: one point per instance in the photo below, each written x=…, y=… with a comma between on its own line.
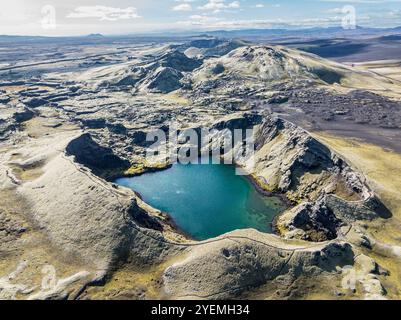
x=69, y=125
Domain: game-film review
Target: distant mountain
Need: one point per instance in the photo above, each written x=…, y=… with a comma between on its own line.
x=392, y=37
x=304, y=33
x=270, y=34
x=7, y=38
x=95, y=35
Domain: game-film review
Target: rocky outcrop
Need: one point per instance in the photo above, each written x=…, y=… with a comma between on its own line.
x=211, y=47
x=224, y=269
x=178, y=61
x=163, y=80
x=4, y=98
x=101, y=160
x=245, y=120
x=88, y=217
x=12, y=117
x=288, y=154
x=160, y=76
x=35, y=102
x=325, y=189
x=264, y=70
x=311, y=222
x=129, y=78
x=24, y=115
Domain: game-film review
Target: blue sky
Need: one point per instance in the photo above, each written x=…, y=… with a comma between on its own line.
x=77, y=17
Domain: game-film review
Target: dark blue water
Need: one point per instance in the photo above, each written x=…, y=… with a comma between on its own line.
x=206, y=201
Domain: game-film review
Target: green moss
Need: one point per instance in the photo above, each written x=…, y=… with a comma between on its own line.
x=141, y=168
x=281, y=230
x=263, y=185
x=135, y=170
x=293, y=198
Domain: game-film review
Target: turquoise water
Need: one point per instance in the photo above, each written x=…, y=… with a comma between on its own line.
x=206, y=201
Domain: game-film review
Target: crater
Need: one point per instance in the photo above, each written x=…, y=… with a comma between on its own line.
x=206, y=200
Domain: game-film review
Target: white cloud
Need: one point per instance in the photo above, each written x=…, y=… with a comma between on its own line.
x=259, y=5
x=183, y=7
x=210, y=23
x=104, y=13
x=335, y=11
x=395, y=13
x=200, y=20
x=218, y=5
x=362, y=1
